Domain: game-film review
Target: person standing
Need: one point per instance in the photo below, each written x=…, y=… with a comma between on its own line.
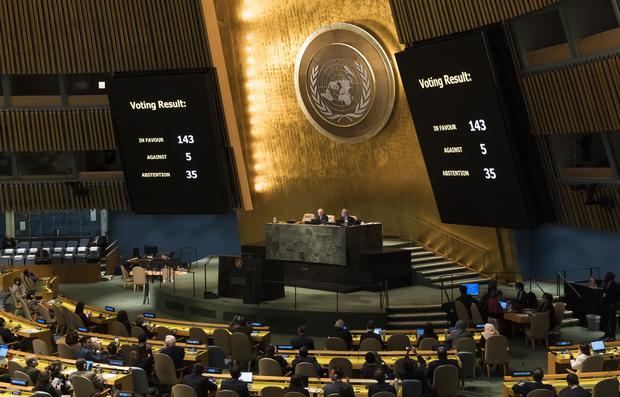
x=609, y=304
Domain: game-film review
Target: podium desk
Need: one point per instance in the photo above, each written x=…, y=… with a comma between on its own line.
x=324, y=244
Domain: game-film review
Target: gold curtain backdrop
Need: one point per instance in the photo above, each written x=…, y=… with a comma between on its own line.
x=294, y=169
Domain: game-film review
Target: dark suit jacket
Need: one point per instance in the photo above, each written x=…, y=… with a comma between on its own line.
x=237, y=386
x=377, y=387
x=33, y=373
x=199, y=383
x=86, y=354
x=323, y=220
x=521, y=298
x=344, y=334
x=299, y=341
x=434, y=364
x=343, y=389
x=347, y=222
x=527, y=387
x=576, y=392
x=7, y=335
x=176, y=353
x=467, y=301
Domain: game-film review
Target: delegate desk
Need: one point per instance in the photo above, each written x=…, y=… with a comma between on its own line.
x=95, y=315
x=27, y=329
x=7, y=389
x=315, y=385
x=558, y=357
x=193, y=353
x=587, y=380
x=411, y=334
x=357, y=358
x=119, y=377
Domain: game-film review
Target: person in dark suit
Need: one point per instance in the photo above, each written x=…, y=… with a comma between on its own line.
x=379, y=376
x=429, y=332
x=321, y=216
x=574, y=390
x=547, y=307
x=199, y=383
x=337, y=386
x=8, y=242
x=296, y=385
x=235, y=384
x=270, y=352
x=31, y=369
x=79, y=310
x=44, y=384
x=466, y=299
x=370, y=332
x=123, y=318
x=80, y=365
x=301, y=339
x=346, y=219
x=609, y=303
x=238, y=324
x=521, y=299
x=175, y=352
x=341, y=331
x=524, y=388
x=302, y=357
x=442, y=359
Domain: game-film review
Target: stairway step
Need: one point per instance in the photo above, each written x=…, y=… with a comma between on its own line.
x=397, y=243
x=455, y=276
x=414, y=324
x=411, y=309
x=416, y=316
x=568, y=314
x=478, y=280
x=570, y=322
x=425, y=259
x=415, y=248
x=420, y=254
x=442, y=270
x=431, y=265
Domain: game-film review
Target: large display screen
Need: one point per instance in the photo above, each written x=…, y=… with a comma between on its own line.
x=172, y=142
x=466, y=123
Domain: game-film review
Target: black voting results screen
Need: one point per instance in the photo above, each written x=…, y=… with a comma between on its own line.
x=172, y=142
x=465, y=125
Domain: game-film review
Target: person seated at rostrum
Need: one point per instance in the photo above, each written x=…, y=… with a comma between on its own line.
x=302, y=357
x=301, y=339
x=380, y=386
x=341, y=331
x=235, y=384
x=524, y=388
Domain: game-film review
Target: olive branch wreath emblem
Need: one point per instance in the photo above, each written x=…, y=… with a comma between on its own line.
x=360, y=108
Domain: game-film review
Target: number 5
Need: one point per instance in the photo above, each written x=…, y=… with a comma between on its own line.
x=483, y=148
x=188, y=157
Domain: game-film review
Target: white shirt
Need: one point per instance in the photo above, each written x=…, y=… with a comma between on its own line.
x=577, y=363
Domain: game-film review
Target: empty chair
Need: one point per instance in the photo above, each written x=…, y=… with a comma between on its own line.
x=496, y=353
x=81, y=254
x=84, y=242
x=139, y=277
x=306, y=369
x=242, y=349
x=22, y=376
x=162, y=331
x=6, y=260
x=308, y=217
x=32, y=250
x=14, y=366
x=428, y=344
x=76, y=321
x=461, y=312
x=269, y=367
x=127, y=279
x=9, y=251
x=558, y=310
x=94, y=254
x=539, y=329
x=65, y=351
x=217, y=357
x=398, y=342
x=19, y=259
x=197, y=333
x=371, y=344
x=445, y=381
x=468, y=364
x=605, y=388
x=335, y=343
x=221, y=338
x=476, y=317
x=48, y=244
x=118, y=329
x=69, y=256
x=30, y=259
x=541, y=393
x=23, y=244
x=592, y=364
x=164, y=369
x=136, y=332
x=22, y=250
x=141, y=382
x=82, y=386
x=272, y=391
x=40, y=347
x=343, y=363
x=411, y=388
x=466, y=345
x=182, y=390
x=25, y=309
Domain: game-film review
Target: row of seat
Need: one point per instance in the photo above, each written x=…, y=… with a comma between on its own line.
x=27, y=256
x=83, y=242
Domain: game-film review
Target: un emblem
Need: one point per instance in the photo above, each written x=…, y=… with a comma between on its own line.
x=344, y=83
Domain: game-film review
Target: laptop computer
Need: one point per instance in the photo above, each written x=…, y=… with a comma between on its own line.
x=4, y=350
x=246, y=377
x=504, y=305
x=473, y=289
x=598, y=346
x=419, y=331
x=378, y=331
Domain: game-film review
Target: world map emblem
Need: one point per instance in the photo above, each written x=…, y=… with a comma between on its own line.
x=344, y=83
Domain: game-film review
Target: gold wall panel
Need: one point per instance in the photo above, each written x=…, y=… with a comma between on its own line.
x=90, y=36
x=425, y=19
x=294, y=168
x=40, y=130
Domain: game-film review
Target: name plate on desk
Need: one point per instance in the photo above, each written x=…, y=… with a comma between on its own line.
x=324, y=244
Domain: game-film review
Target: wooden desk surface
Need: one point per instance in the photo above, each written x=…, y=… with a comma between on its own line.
x=411, y=334
x=112, y=375
x=587, y=380
x=95, y=315
x=181, y=328
x=517, y=318
x=26, y=328
x=315, y=385
x=559, y=356
x=193, y=353
x=7, y=389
